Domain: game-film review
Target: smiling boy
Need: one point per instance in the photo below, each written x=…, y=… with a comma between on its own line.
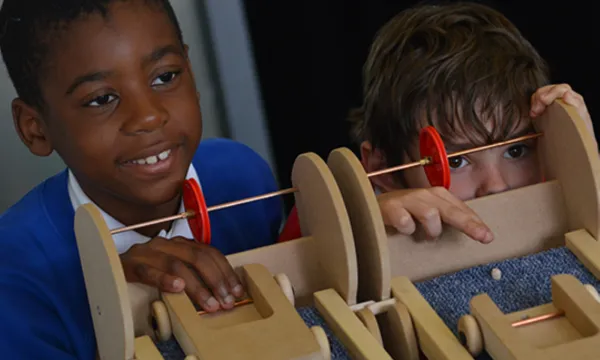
x=109, y=87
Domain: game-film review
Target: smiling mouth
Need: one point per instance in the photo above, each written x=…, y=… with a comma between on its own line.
x=151, y=160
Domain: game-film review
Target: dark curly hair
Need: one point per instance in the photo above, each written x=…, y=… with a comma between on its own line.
x=27, y=28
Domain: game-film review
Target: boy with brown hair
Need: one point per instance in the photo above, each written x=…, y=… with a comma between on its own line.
x=466, y=70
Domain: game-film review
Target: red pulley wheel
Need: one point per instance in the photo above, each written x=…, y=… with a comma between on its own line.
x=193, y=200
x=432, y=146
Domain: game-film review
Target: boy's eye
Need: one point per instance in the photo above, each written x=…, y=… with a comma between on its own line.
x=165, y=78
x=457, y=162
x=516, y=151
x=101, y=100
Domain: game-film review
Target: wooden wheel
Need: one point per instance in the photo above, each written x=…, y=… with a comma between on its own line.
x=404, y=339
x=286, y=286
x=366, y=316
x=321, y=338
x=470, y=334
x=160, y=321
x=432, y=146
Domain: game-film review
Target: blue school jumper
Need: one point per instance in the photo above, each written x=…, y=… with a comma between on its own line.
x=43, y=302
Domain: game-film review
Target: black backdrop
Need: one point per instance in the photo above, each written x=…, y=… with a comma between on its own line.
x=309, y=56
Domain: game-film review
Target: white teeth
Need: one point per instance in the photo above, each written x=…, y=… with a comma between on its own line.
x=153, y=159
x=163, y=155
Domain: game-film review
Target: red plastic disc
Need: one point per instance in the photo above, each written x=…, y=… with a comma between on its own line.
x=432, y=146
x=193, y=200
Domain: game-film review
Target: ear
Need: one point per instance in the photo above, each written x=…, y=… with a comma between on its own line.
x=373, y=160
x=31, y=128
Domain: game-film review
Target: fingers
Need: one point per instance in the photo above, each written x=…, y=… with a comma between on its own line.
x=232, y=279
x=473, y=226
x=545, y=96
x=212, y=267
x=194, y=286
x=431, y=208
x=151, y=276
x=179, y=264
x=395, y=215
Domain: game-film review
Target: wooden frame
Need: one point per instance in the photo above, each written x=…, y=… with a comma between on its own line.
x=122, y=311
x=563, y=211
x=366, y=292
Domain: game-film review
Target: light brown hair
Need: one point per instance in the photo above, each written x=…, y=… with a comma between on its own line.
x=456, y=67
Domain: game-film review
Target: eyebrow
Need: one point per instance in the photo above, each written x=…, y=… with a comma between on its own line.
x=161, y=52
x=455, y=147
x=154, y=56
x=95, y=76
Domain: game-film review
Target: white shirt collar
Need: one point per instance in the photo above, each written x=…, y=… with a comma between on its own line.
x=125, y=240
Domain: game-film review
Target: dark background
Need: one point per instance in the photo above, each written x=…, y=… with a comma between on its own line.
x=309, y=57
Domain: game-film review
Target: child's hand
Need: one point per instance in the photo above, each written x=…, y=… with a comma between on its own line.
x=430, y=207
x=180, y=264
x=546, y=95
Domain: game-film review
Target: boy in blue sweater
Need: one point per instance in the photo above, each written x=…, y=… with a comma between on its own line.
x=108, y=86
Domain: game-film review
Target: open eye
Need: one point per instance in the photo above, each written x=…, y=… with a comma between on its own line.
x=516, y=151
x=165, y=78
x=457, y=162
x=101, y=100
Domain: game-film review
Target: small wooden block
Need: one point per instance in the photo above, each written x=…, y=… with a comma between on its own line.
x=435, y=339
x=146, y=350
x=346, y=326
x=503, y=342
x=586, y=249
x=268, y=328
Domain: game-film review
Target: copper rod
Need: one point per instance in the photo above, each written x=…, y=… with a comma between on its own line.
x=239, y=303
x=212, y=208
x=490, y=146
x=153, y=222
x=251, y=199
x=422, y=162
x=426, y=161
x=537, y=319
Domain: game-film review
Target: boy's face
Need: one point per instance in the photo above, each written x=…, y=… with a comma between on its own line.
x=121, y=106
x=473, y=175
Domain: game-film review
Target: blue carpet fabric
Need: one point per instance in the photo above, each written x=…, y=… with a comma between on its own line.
x=525, y=283
x=311, y=317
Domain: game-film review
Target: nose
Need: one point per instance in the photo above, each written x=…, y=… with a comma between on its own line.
x=145, y=116
x=491, y=182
